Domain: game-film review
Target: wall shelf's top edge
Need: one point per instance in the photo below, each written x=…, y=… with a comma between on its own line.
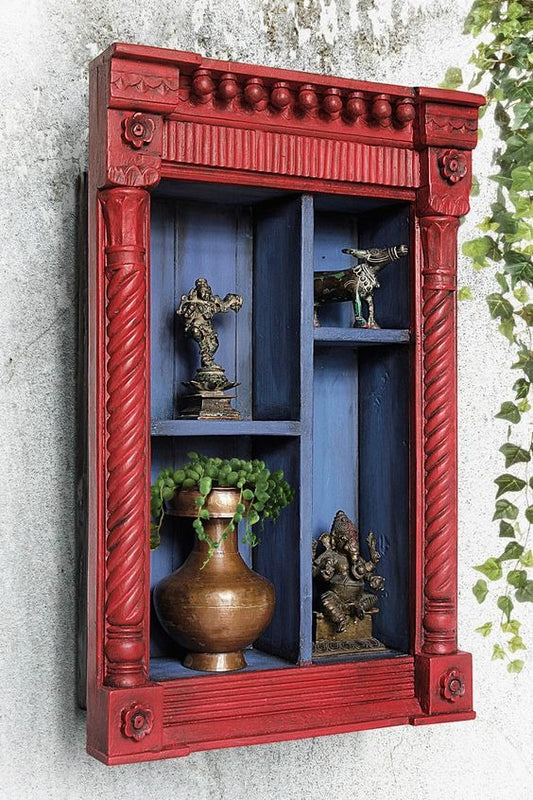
x=190, y=61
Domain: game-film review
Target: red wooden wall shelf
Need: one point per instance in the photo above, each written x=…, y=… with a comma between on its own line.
x=291, y=164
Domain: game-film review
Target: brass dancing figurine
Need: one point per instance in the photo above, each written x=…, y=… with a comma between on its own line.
x=197, y=309
x=343, y=606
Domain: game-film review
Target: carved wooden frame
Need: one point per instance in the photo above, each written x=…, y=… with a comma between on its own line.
x=159, y=113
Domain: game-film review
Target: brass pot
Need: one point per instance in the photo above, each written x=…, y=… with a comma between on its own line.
x=216, y=610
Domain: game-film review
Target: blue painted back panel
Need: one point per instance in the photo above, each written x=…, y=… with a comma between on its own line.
x=334, y=437
x=276, y=333
x=192, y=240
x=384, y=481
x=333, y=232
x=389, y=227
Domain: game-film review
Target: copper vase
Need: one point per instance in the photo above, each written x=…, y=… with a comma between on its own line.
x=214, y=609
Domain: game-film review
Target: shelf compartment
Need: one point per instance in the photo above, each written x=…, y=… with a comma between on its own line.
x=359, y=337
x=245, y=427
x=169, y=669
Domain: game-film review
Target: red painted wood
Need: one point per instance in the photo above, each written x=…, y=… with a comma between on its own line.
x=158, y=113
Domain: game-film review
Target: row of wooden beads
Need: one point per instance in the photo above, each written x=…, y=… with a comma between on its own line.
x=333, y=102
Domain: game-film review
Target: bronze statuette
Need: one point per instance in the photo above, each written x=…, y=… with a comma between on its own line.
x=343, y=621
x=197, y=309
x=357, y=283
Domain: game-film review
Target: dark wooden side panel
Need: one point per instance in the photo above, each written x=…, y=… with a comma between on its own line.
x=276, y=327
x=384, y=481
x=386, y=227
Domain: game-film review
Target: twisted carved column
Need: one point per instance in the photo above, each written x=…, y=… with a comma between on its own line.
x=124, y=211
x=440, y=434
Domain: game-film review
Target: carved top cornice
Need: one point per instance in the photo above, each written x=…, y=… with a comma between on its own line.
x=188, y=86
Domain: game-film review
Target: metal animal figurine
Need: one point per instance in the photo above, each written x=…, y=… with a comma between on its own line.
x=357, y=283
x=341, y=572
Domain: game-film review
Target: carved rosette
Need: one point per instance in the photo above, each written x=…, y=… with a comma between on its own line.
x=452, y=685
x=440, y=450
x=138, y=130
x=124, y=212
x=136, y=721
x=453, y=165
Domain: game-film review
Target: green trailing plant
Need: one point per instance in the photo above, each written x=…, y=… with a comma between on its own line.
x=263, y=494
x=503, y=59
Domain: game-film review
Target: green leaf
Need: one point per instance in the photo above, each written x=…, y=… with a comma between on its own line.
x=521, y=294
x=514, y=454
x=499, y=307
x=452, y=78
x=507, y=328
x=525, y=593
x=509, y=412
x=527, y=314
x=515, y=666
x=512, y=552
x=511, y=627
x=521, y=387
x=522, y=177
x=508, y=483
x=505, y=510
x=498, y=652
x=485, y=630
x=465, y=293
x=506, y=605
x=248, y=494
x=516, y=643
x=506, y=530
x=517, y=578
x=526, y=559
x=491, y=568
x=205, y=485
x=480, y=590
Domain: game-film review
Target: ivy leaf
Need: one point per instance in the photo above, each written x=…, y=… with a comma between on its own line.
x=517, y=578
x=515, y=666
x=491, y=568
x=512, y=552
x=525, y=593
x=514, y=454
x=502, y=280
x=521, y=294
x=498, y=652
x=516, y=643
x=485, y=630
x=506, y=605
x=506, y=530
x=465, y=293
x=526, y=559
x=508, y=483
x=506, y=328
x=452, y=78
x=505, y=510
x=527, y=314
x=509, y=412
x=480, y=590
x=522, y=177
x=511, y=627
x=499, y=307
x=521, y=387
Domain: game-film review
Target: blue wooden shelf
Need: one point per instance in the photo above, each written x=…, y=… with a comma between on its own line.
x=167, y=669
x=216, y=427
x=359, y=337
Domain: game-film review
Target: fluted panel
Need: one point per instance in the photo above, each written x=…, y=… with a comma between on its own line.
x=288, y=154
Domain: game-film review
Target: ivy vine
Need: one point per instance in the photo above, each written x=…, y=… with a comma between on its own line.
x=503, y=59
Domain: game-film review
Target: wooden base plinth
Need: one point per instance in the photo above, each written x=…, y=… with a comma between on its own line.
x=357, y=638
x=209, y=406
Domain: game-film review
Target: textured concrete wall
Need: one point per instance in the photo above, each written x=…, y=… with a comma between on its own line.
x=45, y=49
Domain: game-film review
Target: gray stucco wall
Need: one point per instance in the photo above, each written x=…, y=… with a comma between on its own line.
x=45, y=49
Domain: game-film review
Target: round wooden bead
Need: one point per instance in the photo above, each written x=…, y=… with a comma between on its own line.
x=355, y=105
x=228, y=87
x=307, y=97
x=381, y=108
x=202, y=84
x=405, y=111
x=280, y=96
x=254, y=91
x=332, y=102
